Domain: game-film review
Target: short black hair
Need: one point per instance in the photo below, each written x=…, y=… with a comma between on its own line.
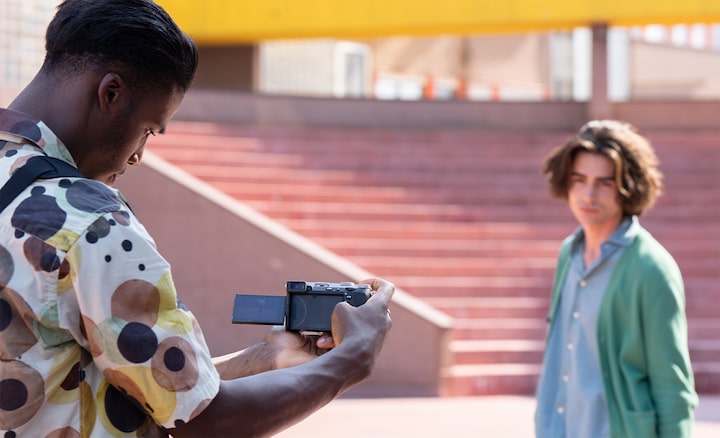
x=137, y=38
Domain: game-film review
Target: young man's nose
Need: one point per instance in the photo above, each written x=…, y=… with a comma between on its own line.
x=590, y=191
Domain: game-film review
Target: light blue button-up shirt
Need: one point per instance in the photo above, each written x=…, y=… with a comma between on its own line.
x=571, y=397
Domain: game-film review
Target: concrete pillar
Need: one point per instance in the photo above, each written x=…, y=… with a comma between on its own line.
x=599, y=106
x=233, y=67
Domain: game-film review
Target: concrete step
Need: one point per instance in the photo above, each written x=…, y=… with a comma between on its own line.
x=498, y=351
x=512, y=350
x=491, y=379
x=441, y=233
x=700, y=329
x=707, y=377
x=518, y=265
x=508, y=286
x=463, y=287
x=494, y=308
x=527, y=329
x=491, y=307
x=705, y=350
x=451, y=248
x=378, y=205
x=522, y=378
x=365, y=206
x=467, y=266
x=433, y=170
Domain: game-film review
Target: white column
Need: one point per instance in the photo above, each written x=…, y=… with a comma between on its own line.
x=582, y=64
x=618, y=64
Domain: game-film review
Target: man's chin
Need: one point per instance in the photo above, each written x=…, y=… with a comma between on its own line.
x=110, y=180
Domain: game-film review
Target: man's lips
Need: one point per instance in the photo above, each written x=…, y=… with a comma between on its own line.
x=589, y=210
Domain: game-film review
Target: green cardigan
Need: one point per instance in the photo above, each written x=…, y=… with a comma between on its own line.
x=642, y=342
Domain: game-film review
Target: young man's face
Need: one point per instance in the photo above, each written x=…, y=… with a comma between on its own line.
x=593, y=193
x=123, y=141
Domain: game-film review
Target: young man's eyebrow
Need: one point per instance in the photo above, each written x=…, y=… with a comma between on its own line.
x=609, y=178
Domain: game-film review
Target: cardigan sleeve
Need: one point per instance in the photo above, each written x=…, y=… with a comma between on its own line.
x=665, y=331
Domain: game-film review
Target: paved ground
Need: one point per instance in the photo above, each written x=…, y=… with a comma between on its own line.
x=491, y=417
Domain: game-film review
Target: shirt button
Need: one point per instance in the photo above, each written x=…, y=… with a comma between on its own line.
x=566, y=378
x=561, y=410
x=576, y=315
x=569, y=346
x=583, y=283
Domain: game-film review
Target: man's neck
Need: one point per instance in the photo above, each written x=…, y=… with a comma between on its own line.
x=29, y=98
x=595, y=236
x=46, y=100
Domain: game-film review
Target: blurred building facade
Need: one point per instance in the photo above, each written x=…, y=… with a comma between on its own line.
x=644, y=62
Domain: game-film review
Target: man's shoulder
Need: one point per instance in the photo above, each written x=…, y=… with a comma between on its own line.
x=647, y=254
x=647, y=247
x=59, y=210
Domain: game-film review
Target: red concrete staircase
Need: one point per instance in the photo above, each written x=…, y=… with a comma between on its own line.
x=462, y=220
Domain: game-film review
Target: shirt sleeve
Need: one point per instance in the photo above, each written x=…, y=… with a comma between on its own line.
x=142, y=339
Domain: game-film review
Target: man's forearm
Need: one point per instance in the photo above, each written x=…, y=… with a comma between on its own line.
x=252, y=360
x=266, y=403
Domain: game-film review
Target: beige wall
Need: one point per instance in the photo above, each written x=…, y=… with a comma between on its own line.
x=516, y=59
x=667, y=72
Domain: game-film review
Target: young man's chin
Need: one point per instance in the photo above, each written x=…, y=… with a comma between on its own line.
x=110, y=180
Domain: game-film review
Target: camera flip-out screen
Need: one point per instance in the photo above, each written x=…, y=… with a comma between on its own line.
x=259, y=309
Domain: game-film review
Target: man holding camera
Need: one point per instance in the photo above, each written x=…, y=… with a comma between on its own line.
x=94, y=341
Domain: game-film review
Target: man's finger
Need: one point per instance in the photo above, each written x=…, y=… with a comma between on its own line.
x=383, y=289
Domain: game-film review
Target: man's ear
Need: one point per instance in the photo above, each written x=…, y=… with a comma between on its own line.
x=112, y=91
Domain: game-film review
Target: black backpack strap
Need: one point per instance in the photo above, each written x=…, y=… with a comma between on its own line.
x=38, y=167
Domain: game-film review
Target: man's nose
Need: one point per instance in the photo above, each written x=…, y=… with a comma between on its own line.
x=590, y=191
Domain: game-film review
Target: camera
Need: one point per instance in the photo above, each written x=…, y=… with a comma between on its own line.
x=306, y=306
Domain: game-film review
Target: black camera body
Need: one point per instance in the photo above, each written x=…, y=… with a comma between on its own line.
x=307, y=305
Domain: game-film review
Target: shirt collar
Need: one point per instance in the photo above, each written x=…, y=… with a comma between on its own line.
x=623, y=235
x=33, y=131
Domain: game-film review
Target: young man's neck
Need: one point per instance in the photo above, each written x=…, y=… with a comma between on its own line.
x=595, y=236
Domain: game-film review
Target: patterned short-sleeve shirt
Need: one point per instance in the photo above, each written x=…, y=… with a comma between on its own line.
x=93, y=340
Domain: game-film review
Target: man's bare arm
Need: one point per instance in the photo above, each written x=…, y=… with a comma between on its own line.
x=268, y=402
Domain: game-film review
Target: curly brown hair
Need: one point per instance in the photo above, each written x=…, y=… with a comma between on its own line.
x=637, y=176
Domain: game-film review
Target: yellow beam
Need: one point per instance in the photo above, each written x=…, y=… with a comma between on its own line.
x=237, y=21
